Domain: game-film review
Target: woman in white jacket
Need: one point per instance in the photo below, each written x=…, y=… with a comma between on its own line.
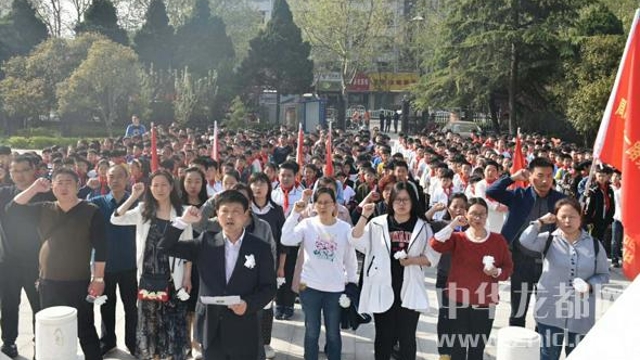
x=397, y=248
x=162, y=327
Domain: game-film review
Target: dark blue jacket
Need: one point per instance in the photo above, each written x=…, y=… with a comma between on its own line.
x=520, y=202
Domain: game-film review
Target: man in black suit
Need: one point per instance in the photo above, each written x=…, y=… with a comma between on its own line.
x=231, y=262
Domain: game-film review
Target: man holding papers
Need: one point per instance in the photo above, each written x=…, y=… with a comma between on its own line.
x=237, y=278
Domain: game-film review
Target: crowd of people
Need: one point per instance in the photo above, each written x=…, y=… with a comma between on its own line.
x=200, y=249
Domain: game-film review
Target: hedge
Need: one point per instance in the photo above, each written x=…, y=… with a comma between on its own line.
x=38, y=142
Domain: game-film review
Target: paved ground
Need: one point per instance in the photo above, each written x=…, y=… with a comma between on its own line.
x=288, y=335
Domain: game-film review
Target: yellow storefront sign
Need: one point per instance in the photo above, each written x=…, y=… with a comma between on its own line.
x=387, y=81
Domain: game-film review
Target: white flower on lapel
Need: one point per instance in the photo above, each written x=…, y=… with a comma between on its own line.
x=250, y=261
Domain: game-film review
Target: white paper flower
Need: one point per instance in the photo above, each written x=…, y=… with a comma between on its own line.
x=344, y=301
x=281, y=281
x=488, y=262
x=580, y=285
x=400, y=255
x=183, y=295
x=250, y=261
x=100, y=300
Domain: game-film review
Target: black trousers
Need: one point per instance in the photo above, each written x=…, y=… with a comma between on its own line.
x=526, y=273
x=397, y=324
x=74, y=294
x=217, y=351
x=128, y=284
x=285, y=298
x=14, y=279
x=471, y=328
x=444, y=324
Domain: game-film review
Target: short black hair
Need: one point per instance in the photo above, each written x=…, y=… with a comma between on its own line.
x=540, y=162
x=232, y=197
x=65, y=171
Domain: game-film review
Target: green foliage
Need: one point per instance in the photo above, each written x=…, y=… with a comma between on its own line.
x=154, y=41
x=29, y=88
x=101, y=17
x=592, y=75
x=237, y=116
x=21, y=30
x=484, y=43
x=202, y=44
x=193, y=94
x=104, y=82
x=39, y=142
x=156, y=94
x=242, y=21
x=278, y=58
x=597, y=19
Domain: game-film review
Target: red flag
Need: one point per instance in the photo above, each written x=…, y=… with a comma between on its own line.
x=214, y=149
x=299, y=153
x=329, y=157
x=518, y=161
x=154, y=149
x=618, y=144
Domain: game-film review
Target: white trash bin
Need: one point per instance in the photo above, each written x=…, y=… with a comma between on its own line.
x=517, y=343
x=57, y=334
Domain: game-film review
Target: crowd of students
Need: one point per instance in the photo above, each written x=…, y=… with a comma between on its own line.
x=263, y=225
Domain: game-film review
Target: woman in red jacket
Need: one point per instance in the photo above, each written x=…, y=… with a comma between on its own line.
x=479, y=259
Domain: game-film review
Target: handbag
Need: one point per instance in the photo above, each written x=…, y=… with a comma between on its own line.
x=154, y=286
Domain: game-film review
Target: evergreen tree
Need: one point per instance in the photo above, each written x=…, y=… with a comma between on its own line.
x=101, y=17
x=202, y=43
x=154, y=41
x=500, y=54
x=278, y=58
x=22, y=29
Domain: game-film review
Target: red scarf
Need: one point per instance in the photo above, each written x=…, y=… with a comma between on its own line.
x=448, y=191
x=285, y=193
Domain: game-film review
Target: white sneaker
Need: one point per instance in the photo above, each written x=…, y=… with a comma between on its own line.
x=269, y=353
x=196, y=354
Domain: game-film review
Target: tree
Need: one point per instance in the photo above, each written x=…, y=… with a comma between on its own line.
x=344, y=34
x=192, y=93
x=101, y=17
x=23, y=30
x=278, y=59
x=202, y=43
x=242, y=22
x=51, y=14
x=236, y=118
x=592, y=69
x=103, y=82
x=501, y=54
x=154, y=41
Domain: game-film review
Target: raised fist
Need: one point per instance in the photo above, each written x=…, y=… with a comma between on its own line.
x=137, y=190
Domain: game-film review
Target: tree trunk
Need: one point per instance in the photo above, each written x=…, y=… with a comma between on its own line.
x=493, y=111
x=513, y=76
x=343, y=102
x=278, y=108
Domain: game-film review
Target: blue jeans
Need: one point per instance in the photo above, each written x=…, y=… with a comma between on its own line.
x=315, y=302
x=553, y=339
x=617, y=233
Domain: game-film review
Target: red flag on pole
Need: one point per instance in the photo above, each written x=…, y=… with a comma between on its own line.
x=299, y=153
x=618, y=144
x=518, y=161
x=154, y=149
x=214, y=150
x=329, y=157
